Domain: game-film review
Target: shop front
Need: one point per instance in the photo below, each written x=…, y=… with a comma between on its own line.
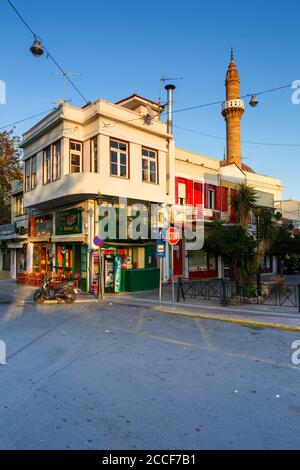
x=201, y=265
x=71, y=253
x=41, y=230
x=125, y=267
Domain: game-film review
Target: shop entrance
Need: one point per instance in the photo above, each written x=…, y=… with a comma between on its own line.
x=71, y=258
x=41, y=262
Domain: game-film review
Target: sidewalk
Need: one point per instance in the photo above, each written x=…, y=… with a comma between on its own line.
x=261, y=316
x=11, y=292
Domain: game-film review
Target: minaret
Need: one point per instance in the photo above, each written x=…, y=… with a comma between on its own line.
x=232, y=110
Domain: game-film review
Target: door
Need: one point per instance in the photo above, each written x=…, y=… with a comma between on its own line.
x=178, y=259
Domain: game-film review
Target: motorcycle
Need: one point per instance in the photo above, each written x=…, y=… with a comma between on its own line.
x=66, y=291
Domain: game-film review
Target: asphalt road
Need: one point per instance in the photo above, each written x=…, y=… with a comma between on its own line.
x=112, y=377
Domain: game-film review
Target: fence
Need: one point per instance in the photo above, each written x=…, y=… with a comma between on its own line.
x=226, y=292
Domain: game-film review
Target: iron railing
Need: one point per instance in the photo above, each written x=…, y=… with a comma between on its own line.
x=225, y=291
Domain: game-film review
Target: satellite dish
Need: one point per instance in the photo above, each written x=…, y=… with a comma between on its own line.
x=148, y=118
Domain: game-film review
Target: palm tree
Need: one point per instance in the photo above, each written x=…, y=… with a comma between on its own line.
x=243, y=201
x=266, y=234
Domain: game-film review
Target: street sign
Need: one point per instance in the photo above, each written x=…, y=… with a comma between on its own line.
x=172, y=236
x=160, y=249
x=98, y=241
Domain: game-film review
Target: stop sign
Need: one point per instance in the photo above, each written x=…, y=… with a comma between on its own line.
x=172, y=236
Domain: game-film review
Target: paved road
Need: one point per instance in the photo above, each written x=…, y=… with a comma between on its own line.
x=111, y=377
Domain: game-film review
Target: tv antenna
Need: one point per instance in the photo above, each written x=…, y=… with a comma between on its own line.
x=164, y=79
x=66, y=75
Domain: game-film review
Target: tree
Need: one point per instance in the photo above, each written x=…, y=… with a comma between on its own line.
x=10, y=169
x=266, y=233
x=243, y=201
x=236, y=246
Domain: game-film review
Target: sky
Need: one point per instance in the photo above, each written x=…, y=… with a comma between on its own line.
x=122, y=47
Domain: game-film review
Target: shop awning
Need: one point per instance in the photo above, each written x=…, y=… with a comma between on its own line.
x=128, y=244
x=15, y=245
x=68, y=238
x=39, y=239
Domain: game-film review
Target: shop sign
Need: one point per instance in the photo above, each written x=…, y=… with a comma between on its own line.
x=69, y=221
x=43, y=226
x=118, y=263
x=160, y=249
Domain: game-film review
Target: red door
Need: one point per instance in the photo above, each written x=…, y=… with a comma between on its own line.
x=178, y=259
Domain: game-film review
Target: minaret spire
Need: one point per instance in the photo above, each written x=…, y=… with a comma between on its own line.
x=232, y=110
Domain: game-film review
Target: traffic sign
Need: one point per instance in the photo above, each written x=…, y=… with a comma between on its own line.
x=160, y=249
x=172, y=236
x=98, y=241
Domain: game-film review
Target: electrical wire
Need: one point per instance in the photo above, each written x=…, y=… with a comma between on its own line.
x=12, y=124
x=88, y=102
x=243, y=141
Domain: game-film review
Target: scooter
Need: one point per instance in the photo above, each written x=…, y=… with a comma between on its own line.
x=62, y=292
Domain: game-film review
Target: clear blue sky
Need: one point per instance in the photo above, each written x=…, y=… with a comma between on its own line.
x=125, y=46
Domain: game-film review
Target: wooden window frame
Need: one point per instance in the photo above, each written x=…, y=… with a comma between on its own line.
x=82, y=156
x=149, y=159
x=118, y=151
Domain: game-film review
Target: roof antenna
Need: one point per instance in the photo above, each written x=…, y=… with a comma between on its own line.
x=164, y=79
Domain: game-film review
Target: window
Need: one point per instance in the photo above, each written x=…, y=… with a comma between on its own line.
x=47, y=164
x=181, y=194
x=149, y=165
x=75, y=157
x=94, y=155
x=118, y=158
x=56, y=152
x=30, y=173
x=19, y=208
x=211, y=199
x=27, y=174
x=33, y=172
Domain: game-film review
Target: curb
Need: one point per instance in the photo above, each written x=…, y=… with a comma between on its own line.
x=238, y=320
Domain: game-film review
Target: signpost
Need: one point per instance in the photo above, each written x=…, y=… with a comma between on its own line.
x=98, y=241
x=172, y=237
x=160, y=253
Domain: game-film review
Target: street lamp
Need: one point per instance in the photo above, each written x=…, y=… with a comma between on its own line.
x=37, y=48
x=253, y=101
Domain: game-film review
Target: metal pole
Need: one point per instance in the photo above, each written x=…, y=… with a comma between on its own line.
x=172, y=273
x=160, y=274
x=298, y=290
x=258, y=274
x=100, y=296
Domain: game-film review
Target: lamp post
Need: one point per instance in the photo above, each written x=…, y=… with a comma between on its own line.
x=257, y=212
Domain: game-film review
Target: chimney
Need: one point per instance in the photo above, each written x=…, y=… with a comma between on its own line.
x=170, y=88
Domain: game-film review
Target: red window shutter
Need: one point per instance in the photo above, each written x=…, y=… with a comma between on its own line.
x=224, y=199
x=205, y=195
x=197, y=193
x=176, y=189
x=189, y=192
x=218, y=197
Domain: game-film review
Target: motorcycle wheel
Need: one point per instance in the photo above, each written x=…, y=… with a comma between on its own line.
x=71, y=297
x=38, y=297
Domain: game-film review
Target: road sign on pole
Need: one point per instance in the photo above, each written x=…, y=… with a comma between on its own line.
x=98, y=241
x=172, y=237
